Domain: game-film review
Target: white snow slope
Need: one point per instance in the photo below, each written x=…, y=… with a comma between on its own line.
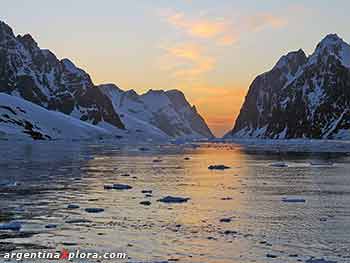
x=158, y=112
x=22, y=119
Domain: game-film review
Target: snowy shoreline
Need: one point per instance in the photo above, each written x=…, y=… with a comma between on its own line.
x=290, y=145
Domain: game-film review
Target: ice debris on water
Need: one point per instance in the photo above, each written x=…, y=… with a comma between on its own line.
x=73, y=206
x=145, y=203
x=14, y=226
x=117, y=187
x=78, y=221
x=225, y=220
x=218, y=167
x=50, y=226
x=173, y=199
x=313, y=260
x=321, y=163
x=293, y=200
x=279, y=165
x=94, y=210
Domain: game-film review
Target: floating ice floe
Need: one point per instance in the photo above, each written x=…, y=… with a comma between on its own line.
x=293, y=200
x=225, y=220
x=313, y=260
x=218, y=167
x=173, y=199
x=78, y=221
x=14, y=226
x=144, y=149
x=271, y=256
x=321, y=163
x=279, y=165
x=117, y=187
x=146, y=203
x=230, y=232
x=73, y=206
x=94, y=210
x=50, y=226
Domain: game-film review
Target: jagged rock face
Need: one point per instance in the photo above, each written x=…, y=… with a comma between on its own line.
x=166, y=111
x=301, y=97
x=38, y=76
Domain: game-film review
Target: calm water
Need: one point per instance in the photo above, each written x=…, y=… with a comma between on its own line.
x=37, y=182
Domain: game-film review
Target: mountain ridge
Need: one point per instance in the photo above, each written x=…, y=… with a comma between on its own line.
x=300, y=97
x=167, y=110
x=38, y=76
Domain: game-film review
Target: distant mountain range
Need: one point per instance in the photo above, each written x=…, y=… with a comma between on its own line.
x=38, y=76
x=167, y=112
x=301, y=97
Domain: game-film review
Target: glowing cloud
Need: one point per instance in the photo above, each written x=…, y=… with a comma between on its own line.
x=261, y=21
x=186, y=60
x=218, y=29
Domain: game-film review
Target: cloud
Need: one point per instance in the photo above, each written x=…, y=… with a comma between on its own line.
x=219, y=30
x=186, y=60
x=261, y=21
x=223, y=31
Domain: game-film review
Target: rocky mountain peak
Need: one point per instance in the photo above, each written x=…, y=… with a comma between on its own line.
x=36, y=75
x=28, y=41
x=5, y=31
x=329, y=41
x=291, y=62
x=110, y=86
x=301, y=97
x=177, y=97
x=332, y=45
x=292, y=58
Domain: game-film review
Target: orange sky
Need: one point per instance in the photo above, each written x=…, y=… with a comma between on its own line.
x=220, y=107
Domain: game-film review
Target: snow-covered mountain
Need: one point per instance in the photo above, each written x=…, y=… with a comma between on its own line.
x=20, y=119
x=165, y=112
x=38, y=76
x=301, y=97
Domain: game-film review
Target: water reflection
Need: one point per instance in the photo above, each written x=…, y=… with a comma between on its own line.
x=38, y=182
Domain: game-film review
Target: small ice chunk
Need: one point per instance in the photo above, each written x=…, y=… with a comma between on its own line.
x=50, y=226
x=173, y=199
x=230, y=232
x=146, y=203
x=14, y=226
x=73, y=206
x=279, y=165
x=321, y=163
x=117, y=187
x=94, y=210
x=144, y=149
x=78, y=221
x=313, y=260
x=293, y=200
x=218, y=167
x=271, y=256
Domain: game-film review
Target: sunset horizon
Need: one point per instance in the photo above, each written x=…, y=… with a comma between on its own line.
x=210, y=52
x=185, y=131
